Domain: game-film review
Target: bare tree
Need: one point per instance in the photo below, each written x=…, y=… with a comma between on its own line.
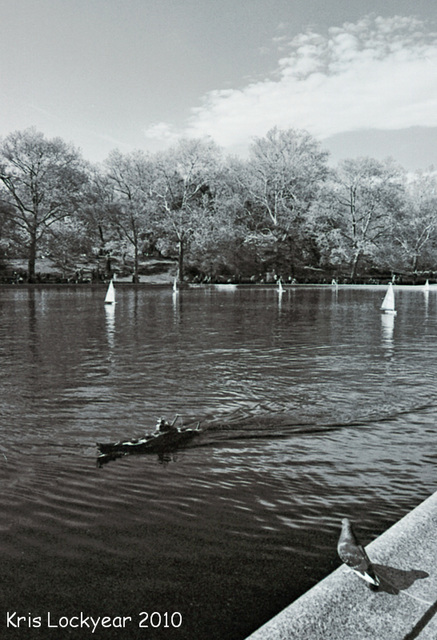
x=415, y=229
x=184, y=190
x=97, y=214
x=359, y=206
x=43, y=181
x=282, y=177
x=130, y=176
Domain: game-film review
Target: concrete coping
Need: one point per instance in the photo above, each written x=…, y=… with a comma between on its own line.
x=342, y=607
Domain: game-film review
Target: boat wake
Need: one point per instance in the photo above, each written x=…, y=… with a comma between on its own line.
x=259, y=423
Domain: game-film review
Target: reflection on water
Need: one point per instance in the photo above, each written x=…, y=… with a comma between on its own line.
x=280, y=293
x=305, y=421
x=110, y=324
x=426, y=300
x=387, y=325
x=177, y=304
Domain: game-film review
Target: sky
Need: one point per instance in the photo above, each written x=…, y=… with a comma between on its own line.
x=360, y=75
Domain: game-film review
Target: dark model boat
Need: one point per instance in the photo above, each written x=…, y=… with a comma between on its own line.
x=167, y=437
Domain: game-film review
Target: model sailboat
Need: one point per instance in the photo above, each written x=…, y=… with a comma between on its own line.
x=110, y=294
x=388, y=304
x=280, y=287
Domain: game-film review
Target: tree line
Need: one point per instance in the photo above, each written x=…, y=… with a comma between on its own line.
x=284, y=210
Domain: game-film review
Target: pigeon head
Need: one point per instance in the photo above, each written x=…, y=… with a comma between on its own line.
x=347, y=528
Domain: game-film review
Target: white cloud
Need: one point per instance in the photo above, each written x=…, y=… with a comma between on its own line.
x=161, y=135
x=376, y=73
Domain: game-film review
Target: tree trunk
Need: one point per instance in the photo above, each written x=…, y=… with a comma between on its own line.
x=108, y=265
x=355, y=264
x=415, y=262
x=31, y=258
x=136, y=277
x=181, y=261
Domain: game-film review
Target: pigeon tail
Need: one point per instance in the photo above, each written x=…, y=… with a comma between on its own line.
x=369, y=576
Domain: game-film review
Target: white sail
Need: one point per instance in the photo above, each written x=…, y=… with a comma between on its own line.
x=426, y=286
x=388, y=304
x=110, y=294
x=280, y=287
x=175, y=285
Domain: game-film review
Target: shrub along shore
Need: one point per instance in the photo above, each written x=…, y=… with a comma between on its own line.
x=162, y=272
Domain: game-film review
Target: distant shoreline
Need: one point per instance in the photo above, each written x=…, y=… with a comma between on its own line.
x=159, y=284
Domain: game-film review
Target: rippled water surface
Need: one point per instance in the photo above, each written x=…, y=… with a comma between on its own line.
x=313, y=407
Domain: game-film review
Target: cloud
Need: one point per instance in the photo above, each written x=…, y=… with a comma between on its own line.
x=377, y=73
x=162, y=135
x=161, y=130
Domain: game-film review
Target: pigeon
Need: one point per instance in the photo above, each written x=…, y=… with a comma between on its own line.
x=352, y=553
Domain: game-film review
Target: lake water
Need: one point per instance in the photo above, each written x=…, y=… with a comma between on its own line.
x=314, y=407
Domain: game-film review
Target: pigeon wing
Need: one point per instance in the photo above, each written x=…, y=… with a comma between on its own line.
x=352, y=553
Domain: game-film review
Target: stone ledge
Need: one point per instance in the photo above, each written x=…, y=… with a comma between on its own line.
x=341, y=607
